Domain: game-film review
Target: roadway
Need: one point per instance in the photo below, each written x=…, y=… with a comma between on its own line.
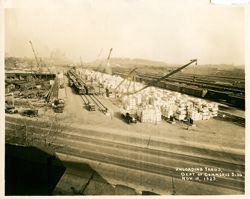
x=149, y=158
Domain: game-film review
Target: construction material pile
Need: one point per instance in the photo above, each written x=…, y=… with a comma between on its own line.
x=153, y=104
x=109, y=81
x=149, y=114
x=28, y=96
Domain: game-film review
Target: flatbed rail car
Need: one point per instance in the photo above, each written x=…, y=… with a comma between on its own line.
x=79, y=88
x=89, y=90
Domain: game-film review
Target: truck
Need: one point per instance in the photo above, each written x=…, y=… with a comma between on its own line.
x=129, y=118
x=10, y=109
x=30, y=112
x=58, y=105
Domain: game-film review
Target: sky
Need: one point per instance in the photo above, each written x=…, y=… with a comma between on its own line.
x=162, y=30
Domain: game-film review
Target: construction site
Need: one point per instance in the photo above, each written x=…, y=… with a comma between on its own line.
x=124, y=98
x=141, y=134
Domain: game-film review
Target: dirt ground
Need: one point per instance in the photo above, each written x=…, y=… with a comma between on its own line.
x=213, y=132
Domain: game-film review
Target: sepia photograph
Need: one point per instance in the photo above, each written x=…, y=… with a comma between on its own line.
x=124, y=97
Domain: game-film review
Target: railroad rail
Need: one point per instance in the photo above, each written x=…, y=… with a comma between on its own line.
x=213, y=79
x=232, y=118
x=210, y=78
x=98, y=103
x=197, y=82
x=85, y=99
x=87, y=96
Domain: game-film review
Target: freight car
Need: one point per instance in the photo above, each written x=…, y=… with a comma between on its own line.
x=79, y=88
x=173, y=86
x=194, y=91
x=160, y=85
x=236, y=100
x=214, y=94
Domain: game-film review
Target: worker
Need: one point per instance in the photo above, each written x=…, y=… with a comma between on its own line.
x=191, y=121
x=171, y=119
x=191, y=124
x=107, y=92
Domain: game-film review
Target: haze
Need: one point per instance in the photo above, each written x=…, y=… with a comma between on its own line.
x=170, y=31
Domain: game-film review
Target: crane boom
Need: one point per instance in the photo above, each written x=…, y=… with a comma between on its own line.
x=109, y=53
x=125, y=78
x=36, y=58
x=107, y=67
x=40, y=63
x=165, y=76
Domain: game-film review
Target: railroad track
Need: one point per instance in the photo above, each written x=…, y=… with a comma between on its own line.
x=87, y=99
x=232, y=118
x=232, y=94
x=98, y=103
x=199, y=81
x=90, y=97
x=209, y=78
x=143, y=159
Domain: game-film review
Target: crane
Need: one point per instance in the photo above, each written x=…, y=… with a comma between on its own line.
x=107, y=68
x=132, y=71
x=110, y=51
x=39, y=61
x=98, y=61
x=165, y=76
x=35, y=54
